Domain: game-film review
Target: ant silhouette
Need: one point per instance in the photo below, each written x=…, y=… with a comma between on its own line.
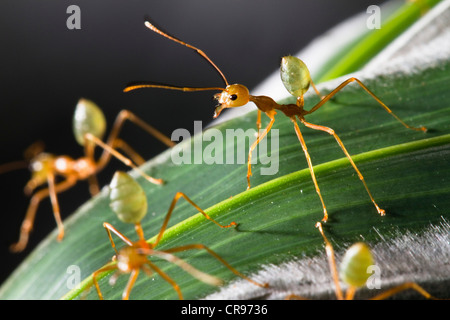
x=89, y=126
x=297, y=80
x=128, y=201
x=353, y=271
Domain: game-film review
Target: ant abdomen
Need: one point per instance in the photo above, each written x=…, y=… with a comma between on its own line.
x=127, y=198
x=355, y=263
x=88, y=118
x=295, y=75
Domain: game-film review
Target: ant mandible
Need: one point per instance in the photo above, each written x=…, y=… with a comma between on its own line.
x=297, y=80
x=89, y=126
x=129, y=202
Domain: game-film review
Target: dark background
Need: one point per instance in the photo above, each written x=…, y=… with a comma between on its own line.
x=46, y=68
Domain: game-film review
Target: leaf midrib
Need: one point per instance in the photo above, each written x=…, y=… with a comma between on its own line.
x=275, y=184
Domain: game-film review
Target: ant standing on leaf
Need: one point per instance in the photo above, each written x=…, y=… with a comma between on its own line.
x=89, y=126
x=353, y=272
x=128, y=201
x=297, y=80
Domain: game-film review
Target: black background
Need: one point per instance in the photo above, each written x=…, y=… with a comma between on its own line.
x=46, y=68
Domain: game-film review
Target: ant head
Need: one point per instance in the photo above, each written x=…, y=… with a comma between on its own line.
x=130, y=258
x=127, y=198
x=295, y=75
x=355, y=263
x=235, y=95
x=40, y=166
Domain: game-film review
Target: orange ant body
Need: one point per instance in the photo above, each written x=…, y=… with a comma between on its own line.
x=89, y=126
x=354, y=272
x=297, y=80
x=128, y=201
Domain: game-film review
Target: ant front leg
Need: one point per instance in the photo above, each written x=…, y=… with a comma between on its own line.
x=55, y=205
x=110, y=228
x=98, y=272
x=258, y=122
x=271, y=114
x=133, y=276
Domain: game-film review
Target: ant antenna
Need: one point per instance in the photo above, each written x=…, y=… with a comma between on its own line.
x=14, y=165
x=200, y=52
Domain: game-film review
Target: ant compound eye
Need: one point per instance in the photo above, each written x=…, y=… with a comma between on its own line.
x=235, y=95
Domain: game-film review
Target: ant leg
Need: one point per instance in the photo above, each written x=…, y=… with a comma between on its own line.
x=331, y=132
x=332, y=262
x=311, y=169
x=55, y=205
x=167, y=278
x=27, y=224
x=258, y=122
x=346, y=82
x=175, y=199
x=402, y=287
x=204, y=277
x=131, y=281
x=118, y=124
x=120, y=157
x=127, y=115
x=126, y=148
x=215, y=255
x=96, y=273
x=94, y=188
x=294, y=297
x=109, y=228
x=316, y=90
x=271, y=115
x=351, y=290
x=93, y=185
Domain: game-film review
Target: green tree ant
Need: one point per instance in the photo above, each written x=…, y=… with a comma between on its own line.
x=353, y=272
x=297, y=80
x=128, y=201
x=89, y=126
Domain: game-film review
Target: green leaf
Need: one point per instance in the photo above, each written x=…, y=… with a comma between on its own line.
x=406, y=171
x=360, y=51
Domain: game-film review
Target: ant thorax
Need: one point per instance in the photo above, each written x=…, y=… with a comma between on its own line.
x=82, y=167
x=130, y=258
